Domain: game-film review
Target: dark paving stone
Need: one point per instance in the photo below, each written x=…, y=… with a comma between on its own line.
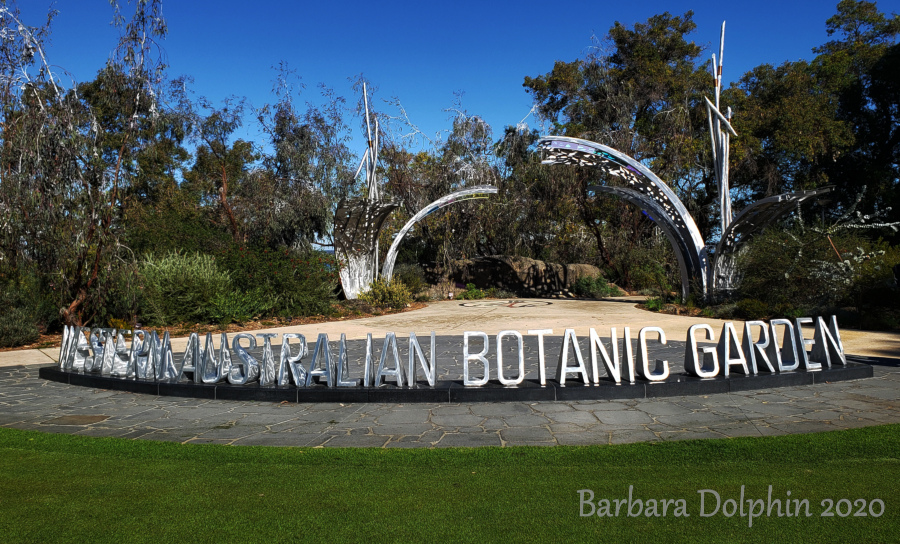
x=358, y=441
x=76, y=420
x=190, y=390
x=451, y=440
x=622, y=417
x=263, y=439
x=453, y=421
x=527, y=434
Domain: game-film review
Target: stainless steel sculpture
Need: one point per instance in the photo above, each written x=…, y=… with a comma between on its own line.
x=357, y=225
x=753, y=219
x=720, y=131
x=358, y=221
x=709, y=275
x=642, y=188
x=480, y=191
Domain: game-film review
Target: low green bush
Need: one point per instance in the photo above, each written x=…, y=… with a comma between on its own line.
x=799, y=272
x=496, y=292
x=595, y=287
x=27, y=308
x=239, y=306
x=17, y=328
x=750, y=308
x=291, y=283
x=413, y=276
x=180, y=288
x=787, y=310
x=119, y=295
x=471, y=293
x=392, y=294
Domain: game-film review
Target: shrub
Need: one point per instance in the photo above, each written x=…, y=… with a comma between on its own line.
x=413, y=276
x=28, y=308
x=393, y=294
x=596, y=287
x=119, y=295
x=17, y=328
x=750, y=308
x=239, y=306
x=654, y=304
x=291, y=283
x=118, y=324
x=180, y=288
x=471, y=293
x=805, y=269
x=789, y=311
x=496, y=292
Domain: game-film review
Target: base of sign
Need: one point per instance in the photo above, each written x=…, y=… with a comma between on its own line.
x=676, y=385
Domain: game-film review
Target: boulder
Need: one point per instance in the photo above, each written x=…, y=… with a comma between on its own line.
x=518, y=274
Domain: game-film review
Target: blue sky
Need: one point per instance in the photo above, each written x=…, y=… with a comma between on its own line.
x=421, y=52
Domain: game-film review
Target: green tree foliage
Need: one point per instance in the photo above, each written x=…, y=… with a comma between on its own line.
x=640, y=92
x=862, y=67
x=789, y=131
x=221, y=166
x=69, y=155
x=307, y=171
x=96, y=177
x=831, y=121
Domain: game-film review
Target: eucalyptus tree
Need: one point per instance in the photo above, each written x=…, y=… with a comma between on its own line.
x=71, y=153
x=306, y=164
x=220, y=165
x=830, y=121
x=639, y=91
x=860, y=68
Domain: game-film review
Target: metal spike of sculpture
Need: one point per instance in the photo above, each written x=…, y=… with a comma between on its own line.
x=707, y=275
x=752, y=219
x=358, y=221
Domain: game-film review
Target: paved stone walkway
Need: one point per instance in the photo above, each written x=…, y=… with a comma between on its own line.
x=28, y=402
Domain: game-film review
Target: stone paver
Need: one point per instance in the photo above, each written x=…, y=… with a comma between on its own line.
x=28, y=402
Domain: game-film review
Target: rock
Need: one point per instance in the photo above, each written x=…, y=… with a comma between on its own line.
x=518, y=274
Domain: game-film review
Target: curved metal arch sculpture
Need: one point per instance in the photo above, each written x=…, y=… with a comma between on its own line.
x=645, y=190
x=480, y=191
x=358, y=221
x=711, y=273
x=689, y=263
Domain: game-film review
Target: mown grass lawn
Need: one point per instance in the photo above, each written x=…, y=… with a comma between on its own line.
x=61, y=488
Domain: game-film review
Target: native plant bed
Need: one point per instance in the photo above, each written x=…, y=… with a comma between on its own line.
x=65, y=488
